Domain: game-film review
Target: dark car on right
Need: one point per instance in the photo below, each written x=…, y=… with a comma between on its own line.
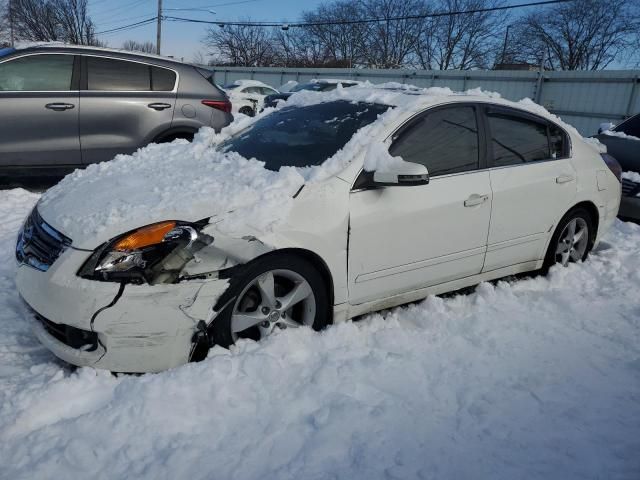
x=623, y=143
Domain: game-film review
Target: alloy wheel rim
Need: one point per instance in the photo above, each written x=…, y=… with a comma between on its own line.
x=277, y=299
x=573, y=241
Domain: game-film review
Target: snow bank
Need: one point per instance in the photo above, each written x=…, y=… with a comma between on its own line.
x=533, y=378
x=633, y=176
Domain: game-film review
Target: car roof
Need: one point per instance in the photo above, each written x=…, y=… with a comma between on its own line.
x=412, y=99
x=333, y=80
x=251, y=83
x=56, y=47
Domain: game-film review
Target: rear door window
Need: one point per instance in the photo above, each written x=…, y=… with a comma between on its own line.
x=162, y=79
x=516, y=140
x=117, y=75
x=37, y=73
x=445, y=141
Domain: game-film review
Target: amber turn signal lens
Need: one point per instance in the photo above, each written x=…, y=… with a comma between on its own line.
x=145, y=236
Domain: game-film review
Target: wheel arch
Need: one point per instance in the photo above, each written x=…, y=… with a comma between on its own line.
x=174, y=133
x=587, y=205
x=317, y=261
x=590, y=207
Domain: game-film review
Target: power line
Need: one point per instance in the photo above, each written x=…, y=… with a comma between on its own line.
x=119, y=9
x=127, y=27
x=368, y=20
x=204, y=7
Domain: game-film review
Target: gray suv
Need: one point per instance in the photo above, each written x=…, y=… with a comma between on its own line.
x=62, y=108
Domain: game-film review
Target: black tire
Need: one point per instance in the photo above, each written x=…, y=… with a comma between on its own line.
x=576, y=213
x=175, y=136
x=220, y=329
x=247, y=111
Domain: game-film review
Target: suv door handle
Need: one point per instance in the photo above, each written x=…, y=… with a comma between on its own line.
x=564, y=178
x=159, y=106
x=475, y=199
x=59, y=107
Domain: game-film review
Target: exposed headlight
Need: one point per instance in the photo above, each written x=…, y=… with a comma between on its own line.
x=152, y=254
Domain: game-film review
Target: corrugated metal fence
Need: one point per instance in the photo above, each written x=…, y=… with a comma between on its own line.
x=583, y=99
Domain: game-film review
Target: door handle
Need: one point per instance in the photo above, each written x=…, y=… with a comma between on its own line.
x=159, y=106
x=59, y=107
x=564, y=178
x=475, y=199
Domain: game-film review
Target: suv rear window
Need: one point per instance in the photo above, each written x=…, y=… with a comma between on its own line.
x=303, y=136
x=108, y=74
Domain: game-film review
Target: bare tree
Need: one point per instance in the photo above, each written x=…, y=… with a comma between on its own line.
x=36, y=20
x=461, y=41
x=199, y=59
x=5, y=35
x=135, y=46
x=77, y=26
x=53, y=20
x=338, y=43
x=390, y=43
x=585, y=35
x=240, y=45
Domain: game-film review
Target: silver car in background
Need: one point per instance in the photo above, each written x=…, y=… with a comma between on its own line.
x=64, y=107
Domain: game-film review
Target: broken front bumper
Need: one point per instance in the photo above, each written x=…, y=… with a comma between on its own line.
x=140, y=328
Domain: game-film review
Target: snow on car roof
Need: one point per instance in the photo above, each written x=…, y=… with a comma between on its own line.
x=250, y=83
x=334, y=80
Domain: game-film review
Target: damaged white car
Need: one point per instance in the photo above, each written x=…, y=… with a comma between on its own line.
x=338, y=205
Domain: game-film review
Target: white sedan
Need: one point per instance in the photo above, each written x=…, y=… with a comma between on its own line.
x=247, y=96
x=338, y=205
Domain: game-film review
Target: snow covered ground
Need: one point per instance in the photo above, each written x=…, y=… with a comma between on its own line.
x=530, y=378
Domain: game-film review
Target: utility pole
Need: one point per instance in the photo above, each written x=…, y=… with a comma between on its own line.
x=159, y=29
x=504, y=47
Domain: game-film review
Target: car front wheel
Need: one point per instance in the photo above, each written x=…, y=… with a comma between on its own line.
x=273, y=293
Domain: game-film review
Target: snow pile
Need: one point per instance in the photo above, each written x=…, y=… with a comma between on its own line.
x=192, y=181
x=611, y=133
x=379, y=159
x=180, y=180
x=249, y=83
x=534, y=378
x=633, y=176
x=287, y=86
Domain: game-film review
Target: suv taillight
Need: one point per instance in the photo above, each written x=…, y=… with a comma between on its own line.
x=613, y=165
x=222, y=105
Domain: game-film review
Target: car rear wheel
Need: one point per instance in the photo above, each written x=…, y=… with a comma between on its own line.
x=572, y=240
x=274, y=293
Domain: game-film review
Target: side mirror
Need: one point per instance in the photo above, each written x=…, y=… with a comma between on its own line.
x=405, y=174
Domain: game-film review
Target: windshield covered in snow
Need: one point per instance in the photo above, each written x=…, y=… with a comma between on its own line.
x=303, y=136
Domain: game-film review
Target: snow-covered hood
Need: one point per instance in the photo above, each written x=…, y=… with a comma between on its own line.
x=178, y=181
